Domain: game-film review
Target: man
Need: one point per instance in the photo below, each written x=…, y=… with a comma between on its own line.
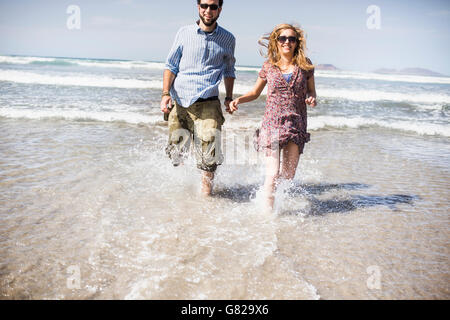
x=201, y=55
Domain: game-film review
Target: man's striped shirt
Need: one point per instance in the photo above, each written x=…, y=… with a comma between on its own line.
x=200, y=60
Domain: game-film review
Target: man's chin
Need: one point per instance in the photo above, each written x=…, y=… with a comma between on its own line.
x=208, y=23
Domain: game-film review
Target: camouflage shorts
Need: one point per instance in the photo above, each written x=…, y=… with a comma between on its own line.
x=198, y=125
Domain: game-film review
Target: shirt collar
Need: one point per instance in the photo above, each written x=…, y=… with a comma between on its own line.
x=199, y=30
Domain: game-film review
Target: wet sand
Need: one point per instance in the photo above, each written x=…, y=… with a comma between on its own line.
x=95, y=211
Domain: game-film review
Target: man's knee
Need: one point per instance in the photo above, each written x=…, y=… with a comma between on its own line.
x=207, y=130
x=179, y=135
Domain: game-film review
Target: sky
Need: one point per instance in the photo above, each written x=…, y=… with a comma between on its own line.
x=404, y=33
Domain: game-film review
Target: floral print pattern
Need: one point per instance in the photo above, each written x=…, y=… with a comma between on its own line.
x=285, y=117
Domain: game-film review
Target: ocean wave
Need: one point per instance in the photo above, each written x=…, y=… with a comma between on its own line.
x=239, y=88
x=318, y=123
x=339, y=74
x=23, y=60
x=315, y=123
x=88, y=81
x=139, y=64
x=80, y=115
x=322, y=122
x=382, y=77
x=363, y=95
x=379, y=95
x=121, y=64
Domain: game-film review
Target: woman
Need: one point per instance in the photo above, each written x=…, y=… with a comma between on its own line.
x=290, y=78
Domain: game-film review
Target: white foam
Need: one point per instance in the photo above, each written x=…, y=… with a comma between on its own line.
x=23, y=60
x=86, y=63
x=382, y=77
x=240, y=88
x=362, y=95
x=130, y=64
x=104, y=116
x=379, y=95
x=314, y=122
x=122, y=64
x=138, y=64
x=320, y=122
x=88, y=81
x=248, y=69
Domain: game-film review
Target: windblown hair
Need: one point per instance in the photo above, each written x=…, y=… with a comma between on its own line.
x=220, y=3
x=270, y=42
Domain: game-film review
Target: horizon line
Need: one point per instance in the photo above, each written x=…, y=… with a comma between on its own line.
x=247, y=66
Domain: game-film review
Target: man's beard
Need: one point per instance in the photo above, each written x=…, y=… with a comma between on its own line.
x=209, y=24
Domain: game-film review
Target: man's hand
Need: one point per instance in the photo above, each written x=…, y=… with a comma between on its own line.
x=227, y=106
x=165, y=102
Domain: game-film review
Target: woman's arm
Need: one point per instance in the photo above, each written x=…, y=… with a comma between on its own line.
x=249, y=96
x=311, y=92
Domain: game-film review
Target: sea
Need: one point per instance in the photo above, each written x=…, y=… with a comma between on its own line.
x=92, y=208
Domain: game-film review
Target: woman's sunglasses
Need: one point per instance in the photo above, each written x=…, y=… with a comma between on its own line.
x=282, y=39
x=205, y=6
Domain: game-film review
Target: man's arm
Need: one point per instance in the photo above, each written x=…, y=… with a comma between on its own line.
x=229, y=75
x=166, y=100
x=171, y=71
x=229, y=85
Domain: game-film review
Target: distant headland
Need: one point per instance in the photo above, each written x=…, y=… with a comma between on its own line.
x=325, y=67
x=406, y=71
x=410, y=72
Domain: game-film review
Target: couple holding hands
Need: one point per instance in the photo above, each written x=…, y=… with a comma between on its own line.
x=201, y=55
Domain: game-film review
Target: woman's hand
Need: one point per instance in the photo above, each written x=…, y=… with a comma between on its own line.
x=232, y=107
x=311, y=101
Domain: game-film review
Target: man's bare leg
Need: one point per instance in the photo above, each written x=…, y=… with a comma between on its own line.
x=207, y=182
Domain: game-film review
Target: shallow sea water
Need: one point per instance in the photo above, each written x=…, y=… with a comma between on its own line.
x=95, y=210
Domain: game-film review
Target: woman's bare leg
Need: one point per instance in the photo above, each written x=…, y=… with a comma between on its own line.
x=289, y=163
x=272, y=174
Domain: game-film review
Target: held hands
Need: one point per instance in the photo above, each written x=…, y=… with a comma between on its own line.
x=311, y=101
x=227, y=105
x=232, y=106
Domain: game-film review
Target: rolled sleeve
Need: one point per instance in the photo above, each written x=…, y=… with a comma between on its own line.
x=230, y=60
x=175, y=54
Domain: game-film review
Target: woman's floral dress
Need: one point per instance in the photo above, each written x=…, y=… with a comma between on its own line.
x=285, y=116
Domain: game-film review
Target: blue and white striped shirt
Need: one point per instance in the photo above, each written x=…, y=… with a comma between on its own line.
x=199, y=60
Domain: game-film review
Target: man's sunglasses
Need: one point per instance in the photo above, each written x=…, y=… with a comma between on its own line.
x=205, y=6
x=282, y=39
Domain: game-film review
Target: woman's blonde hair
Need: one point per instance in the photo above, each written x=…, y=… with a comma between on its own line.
x=270, y=42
